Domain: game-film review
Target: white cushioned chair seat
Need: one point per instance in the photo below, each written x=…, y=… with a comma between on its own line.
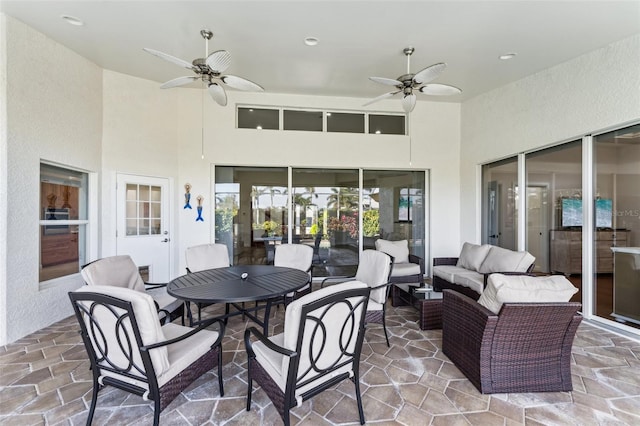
x=472, y=280
x=207, y=256
x=405, y=269
x=398, y=249
x=448, y=272
x=374, y=306
x=503, y=260
x=277, y=365
x=472, y=256
x=374, y=270
x=164, y=299
x=525, y=289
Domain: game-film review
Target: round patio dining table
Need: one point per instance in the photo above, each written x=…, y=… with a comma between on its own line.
x=236, y=284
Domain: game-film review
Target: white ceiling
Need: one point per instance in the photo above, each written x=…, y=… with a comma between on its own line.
x=358, y=39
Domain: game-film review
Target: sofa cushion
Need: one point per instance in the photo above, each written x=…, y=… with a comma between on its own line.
x=525, y=289
x=398, y=249
x=504, y=260
x=405, y=269
x=470, y=279
x=448, y=272
x=472, y=256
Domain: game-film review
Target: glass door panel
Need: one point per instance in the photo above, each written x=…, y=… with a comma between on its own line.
x=499, y=203
x=325, y=209
x=251, y=211
x=393, y=208
x=616, y=232
x=554, y=223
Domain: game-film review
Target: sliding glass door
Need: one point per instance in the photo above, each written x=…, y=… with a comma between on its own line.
x=499, y=203
x=330, y=210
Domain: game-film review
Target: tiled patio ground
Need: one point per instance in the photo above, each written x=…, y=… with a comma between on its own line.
x=45, y=379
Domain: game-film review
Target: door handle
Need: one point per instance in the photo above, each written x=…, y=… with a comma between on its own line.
x=166, y=240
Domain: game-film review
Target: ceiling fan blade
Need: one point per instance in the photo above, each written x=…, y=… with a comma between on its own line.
x=241, y=83
x=440, y=90
x=381, y=97
x=386, y=81
x=169, y=58
x=409, y=102
x=218, y=61
x=218, y=94
x=429, y=73
x=180, y=81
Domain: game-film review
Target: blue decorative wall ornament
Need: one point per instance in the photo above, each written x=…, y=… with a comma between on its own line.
x=187, y=196
x=199, y=208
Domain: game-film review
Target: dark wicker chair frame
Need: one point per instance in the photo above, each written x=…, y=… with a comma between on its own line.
x=129, y=341
x=353, y=328
x=525, y=348
x=440, y=284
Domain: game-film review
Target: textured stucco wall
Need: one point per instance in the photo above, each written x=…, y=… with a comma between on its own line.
x=435, y=129
x=592, y=92
x=3, y=179
x=54, y=115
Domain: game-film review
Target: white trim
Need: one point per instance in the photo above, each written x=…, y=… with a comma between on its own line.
x=521, y=205
x=588, y=301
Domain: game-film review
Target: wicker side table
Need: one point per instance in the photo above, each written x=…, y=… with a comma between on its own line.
x=428, y=304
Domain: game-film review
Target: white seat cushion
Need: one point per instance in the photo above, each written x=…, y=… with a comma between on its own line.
x=472, y=280
x=298, y=256
x=525, y=289
x=374, y=306
x=503, y=260
x=373, y=270
x=472, y=256
x=448, y=272
x=164, y=299
x=398, y=249
x=405, y=269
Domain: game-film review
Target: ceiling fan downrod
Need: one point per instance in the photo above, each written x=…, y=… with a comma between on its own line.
x=408, y=51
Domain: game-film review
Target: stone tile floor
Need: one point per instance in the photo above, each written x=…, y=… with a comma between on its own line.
x=45, y=379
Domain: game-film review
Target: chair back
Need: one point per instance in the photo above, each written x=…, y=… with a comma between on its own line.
x=374, y=269
x=119, y=271
x=115, y=323
x=326, y=329
x=298, y=256
x=207, y=256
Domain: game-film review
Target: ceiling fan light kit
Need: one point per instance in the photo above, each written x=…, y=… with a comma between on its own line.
x=208, y=69
x=406, y=83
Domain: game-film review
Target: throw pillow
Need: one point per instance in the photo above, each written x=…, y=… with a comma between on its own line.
x=398, y=249
x=525, y=289
x=504, y=260
x=472, y=256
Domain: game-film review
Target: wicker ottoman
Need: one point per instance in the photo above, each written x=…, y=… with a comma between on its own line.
x=428, y=304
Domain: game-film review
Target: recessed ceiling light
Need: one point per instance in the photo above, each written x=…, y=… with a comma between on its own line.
x=311, y=41
x=72, y=20
x=378, y=132
x=507, y=56
x=328, y=114
x=259, y=127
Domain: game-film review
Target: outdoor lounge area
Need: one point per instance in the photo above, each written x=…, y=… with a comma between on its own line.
x=183, y=185
x=45, y=378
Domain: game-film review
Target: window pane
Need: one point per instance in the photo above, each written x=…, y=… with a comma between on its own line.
x=155, y=226
x=155, y=210
x=386, y=124
x=499, y=203
x=63, y=200
x=132, y=192
x=145, y=192
x=303, y=120
x=616, y=222
x=132, y=209
x=254, y=118
x=156, y=193
x=344, y=122
x=132, y=226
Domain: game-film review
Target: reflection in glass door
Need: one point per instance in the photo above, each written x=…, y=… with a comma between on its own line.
x=499, y=203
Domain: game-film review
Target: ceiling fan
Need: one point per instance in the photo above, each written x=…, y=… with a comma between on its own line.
x=407, y=82
x=209, y=69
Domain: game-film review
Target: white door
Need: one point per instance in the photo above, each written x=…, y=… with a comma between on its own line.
x=537, y=226
x=143, y=224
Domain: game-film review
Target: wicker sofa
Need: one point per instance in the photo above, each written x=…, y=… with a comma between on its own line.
x=468, y=273
x=526, y=347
